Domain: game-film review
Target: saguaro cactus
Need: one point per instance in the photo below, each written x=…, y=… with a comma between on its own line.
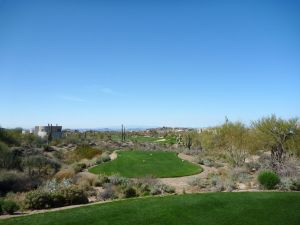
x=123, y=133
x=50, y=137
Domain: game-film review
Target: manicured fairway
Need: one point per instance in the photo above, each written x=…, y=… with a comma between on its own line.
x=207, y=209
x=146, y=163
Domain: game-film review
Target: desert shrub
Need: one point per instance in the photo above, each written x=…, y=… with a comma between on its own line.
x=117, y=180
x=108, y=193
x=17, y=198
x=295, y=186
x=217, y=184
x=38, y=199
x=79, y=167
x=55, y=184
x=199, y=182
x=9, y=207
x=285, y=184
x=16, y=181
x=101, y=180
x=103, y=158
x=66, y=173
x=289, y=168
x=57, y=200
x=268, y=179
x=85, y=179
x=155, y=190
x=161, y=189
x=253, y=166
x=40, y=165
x=10, y=136
x=208, y=162
x=85, y=152
x=84, y=185
x=73, y=195
x=214, y=182
x=130, y=192
x=7, y=158
x=240, y=175
x=143, y=187
x=70, y=140
x=168, y=189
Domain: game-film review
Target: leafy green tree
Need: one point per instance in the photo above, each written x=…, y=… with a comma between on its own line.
x=278, y=136
x=9, y=159
x=40, y=165
x=10, y=136
x=234, y=138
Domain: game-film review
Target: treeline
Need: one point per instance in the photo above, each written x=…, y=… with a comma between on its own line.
x=279, y=136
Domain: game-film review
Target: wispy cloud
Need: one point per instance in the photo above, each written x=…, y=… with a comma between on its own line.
x=107, y=91
x=72, y=98
x=101, y=90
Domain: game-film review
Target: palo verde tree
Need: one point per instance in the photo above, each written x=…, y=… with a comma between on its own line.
x=192, y=139
x=234, y=138
x=276, y=135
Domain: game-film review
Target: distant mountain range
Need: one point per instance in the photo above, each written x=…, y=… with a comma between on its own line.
x=115, y=128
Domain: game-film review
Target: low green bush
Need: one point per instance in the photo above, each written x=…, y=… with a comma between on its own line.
x=9, y=207
x=73, y=196
x=130, y=192
x=268, y=179
x=40, y=199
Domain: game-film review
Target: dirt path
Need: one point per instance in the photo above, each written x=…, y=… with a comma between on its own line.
x=182, y=183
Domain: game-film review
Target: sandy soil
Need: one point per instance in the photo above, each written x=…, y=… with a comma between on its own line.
x=113, y=155
x=182, y=183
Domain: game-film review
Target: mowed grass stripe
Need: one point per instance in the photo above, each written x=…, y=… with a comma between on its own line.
x=147, y=163
x=270, y=208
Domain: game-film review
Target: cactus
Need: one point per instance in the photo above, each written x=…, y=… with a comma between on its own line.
x=50, y=136
x=123, y=133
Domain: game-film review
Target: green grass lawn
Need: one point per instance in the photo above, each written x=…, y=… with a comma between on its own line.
x=142, y=163
x=272, y=208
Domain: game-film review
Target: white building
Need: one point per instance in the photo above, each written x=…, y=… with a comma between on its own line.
x=44, y=131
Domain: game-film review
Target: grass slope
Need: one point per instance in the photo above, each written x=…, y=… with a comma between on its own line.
x=272, y=208
x=141, y=164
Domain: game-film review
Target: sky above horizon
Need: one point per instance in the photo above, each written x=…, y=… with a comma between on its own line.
x=91, y=64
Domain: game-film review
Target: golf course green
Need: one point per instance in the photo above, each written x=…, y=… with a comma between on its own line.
x=147, y=163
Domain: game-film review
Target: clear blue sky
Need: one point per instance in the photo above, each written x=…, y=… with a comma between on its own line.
x=90, y=64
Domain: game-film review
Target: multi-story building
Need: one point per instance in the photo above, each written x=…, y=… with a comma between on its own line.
x=44, y=131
